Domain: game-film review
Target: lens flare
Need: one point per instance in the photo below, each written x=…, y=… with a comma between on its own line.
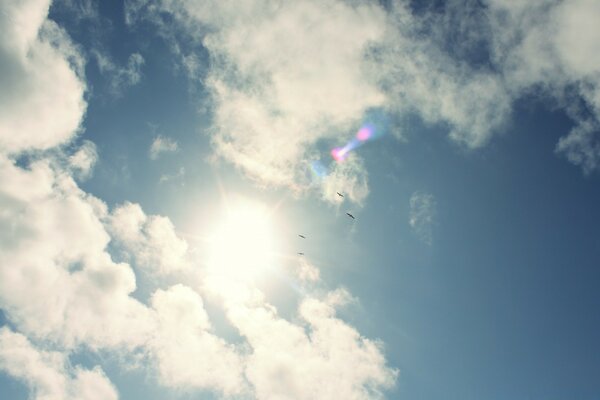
x=364, y=134
x=376, y=123
x=340, y=153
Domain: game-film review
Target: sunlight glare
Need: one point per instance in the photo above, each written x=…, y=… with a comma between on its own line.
x=243, y=245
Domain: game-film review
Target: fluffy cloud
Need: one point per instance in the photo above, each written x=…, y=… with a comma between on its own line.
x=309, y=359
x=187, y=353
x=422, y=78
x=162, y=144
x=283, y=79
x=61, y=288
x=41, y=102
x=48, y=374
x=54, y=244
x=150, y=239
x=422, y=215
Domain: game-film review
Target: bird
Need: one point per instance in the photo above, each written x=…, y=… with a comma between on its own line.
x=350, y=215
x=300, y=254
x=339, y=194
x=302, y=236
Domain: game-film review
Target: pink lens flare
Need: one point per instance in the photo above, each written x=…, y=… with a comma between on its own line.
x=364, y=133
x=339, y=153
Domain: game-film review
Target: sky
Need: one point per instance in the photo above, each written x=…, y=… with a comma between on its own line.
x=159, y=160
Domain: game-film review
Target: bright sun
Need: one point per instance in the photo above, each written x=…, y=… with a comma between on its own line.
x=243, y=245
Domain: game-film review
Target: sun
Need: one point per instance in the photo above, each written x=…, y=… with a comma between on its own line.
x=243, y=245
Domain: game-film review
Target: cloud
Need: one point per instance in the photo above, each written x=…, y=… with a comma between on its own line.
x=422, y=215
x=188, y=355
x=309, y=359
x=41, y=101
x=307, y=272
x=120, y=78
x=151, y=240
x=179, y=176
x=349, y=177
x=282, y=79
x=83, y=160
x=54, y=244
x=162, y=144
x=48, y=374
x=63, y=289
x=420, y=77
x=552, y=48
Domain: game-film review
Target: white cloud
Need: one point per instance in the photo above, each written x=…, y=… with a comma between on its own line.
x=41, y=101
x=162, y=144
x=150, y=239
x=422, y=78
x=553, y=47
x=187, y=353
x=48, y=374
x=61, y=288
x=54, y=244
x=83, y=160
x=422, y=215
x=282, y=78
x=307, y=272
x=309, y=359
x=286, y=78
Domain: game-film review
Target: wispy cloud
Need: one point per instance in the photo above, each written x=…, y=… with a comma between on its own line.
x=83, y=160
x=177, y=177
x=119, y=78
x=162, y=144
x=422, y=215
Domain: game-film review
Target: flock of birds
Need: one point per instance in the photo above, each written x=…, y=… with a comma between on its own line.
x=348, y=214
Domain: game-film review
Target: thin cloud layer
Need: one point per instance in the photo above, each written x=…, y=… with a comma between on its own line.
x=162, y=144
x=120, y=78
x=422, y=215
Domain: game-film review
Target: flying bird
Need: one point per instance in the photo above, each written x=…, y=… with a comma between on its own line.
x=302, y=236
x=300, y=254
x=350, y=215
x=339, y=194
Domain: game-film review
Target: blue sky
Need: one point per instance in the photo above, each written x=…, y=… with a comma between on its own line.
x=159, y=159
